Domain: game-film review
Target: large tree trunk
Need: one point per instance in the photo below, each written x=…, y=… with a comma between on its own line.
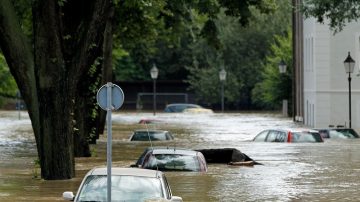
x=55, y=94
x=67, y=40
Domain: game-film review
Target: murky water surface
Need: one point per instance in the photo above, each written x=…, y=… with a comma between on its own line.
x=291, y=172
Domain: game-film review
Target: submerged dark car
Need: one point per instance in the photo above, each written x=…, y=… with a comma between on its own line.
x=342, y=133
x=153, y=135
x=172, y=159
x=186, y=108
x=288, y=135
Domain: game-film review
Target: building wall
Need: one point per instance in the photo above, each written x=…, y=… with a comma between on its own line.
x=325, y=81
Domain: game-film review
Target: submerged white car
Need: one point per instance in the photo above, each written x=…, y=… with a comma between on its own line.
x=128, y=184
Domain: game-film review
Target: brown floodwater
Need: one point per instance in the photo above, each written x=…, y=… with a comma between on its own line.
x=328, y=171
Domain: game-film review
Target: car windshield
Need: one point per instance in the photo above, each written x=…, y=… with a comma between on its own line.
x=144, y=136
x=343, y=133
x=180, y=107
x=173, y=162
x=124, y=188
x=306, y=137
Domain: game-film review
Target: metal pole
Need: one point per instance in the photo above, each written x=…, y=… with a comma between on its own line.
x=222, y=96
x=109, y=108
x=154, y=96
x=349, y=79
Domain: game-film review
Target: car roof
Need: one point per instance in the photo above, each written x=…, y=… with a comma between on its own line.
x=125, y=171
x=173, y=150
x=151, y=130
x=294, y=130
x=333, y=128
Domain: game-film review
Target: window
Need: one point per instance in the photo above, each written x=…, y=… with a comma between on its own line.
x=272, y=136
x=261, y=137
x=124, y=188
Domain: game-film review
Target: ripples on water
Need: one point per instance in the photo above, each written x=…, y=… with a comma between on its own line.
x=291, y=172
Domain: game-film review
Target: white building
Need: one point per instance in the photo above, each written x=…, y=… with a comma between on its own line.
x=325, y=82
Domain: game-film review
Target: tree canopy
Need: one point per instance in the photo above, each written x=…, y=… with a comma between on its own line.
x=337, y=12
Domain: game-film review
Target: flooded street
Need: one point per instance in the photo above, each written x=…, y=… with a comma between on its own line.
x=327, y=171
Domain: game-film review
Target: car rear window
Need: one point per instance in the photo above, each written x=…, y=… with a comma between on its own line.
x=144, y=136
x=344, y=133
x=173, y=162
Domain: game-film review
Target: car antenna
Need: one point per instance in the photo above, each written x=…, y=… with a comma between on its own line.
x=151, y=145
x=148, y=134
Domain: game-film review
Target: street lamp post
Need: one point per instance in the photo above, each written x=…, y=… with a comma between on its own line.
x=282, y=69
x=222, y=76
x=154, y=74
x=349, y=64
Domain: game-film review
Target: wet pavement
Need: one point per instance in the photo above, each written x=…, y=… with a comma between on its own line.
x=328, y=171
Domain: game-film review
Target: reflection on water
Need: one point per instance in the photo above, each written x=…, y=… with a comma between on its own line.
x=291, y=172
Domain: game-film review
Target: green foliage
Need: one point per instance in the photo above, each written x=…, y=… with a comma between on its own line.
x=164, y=32
x=126, y=69
x=8, y=87
x=243, y=53
x=23, y=10
x=337, y=12
x=208, y=90
x=275, y=86
x=36, y=169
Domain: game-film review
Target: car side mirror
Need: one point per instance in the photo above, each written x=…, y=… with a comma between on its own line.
x=176, y=199
x=68, y=196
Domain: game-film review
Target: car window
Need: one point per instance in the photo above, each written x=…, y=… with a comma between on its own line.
x=280, y=137
x=144, y=136
x=169, y=136
x=170, y=109
x=261, y=136
x=140, y=161
x=306, y=137
x=124, y=188
x=272, y=136
x=173, y=162
x=336, y=134
x=343, y=133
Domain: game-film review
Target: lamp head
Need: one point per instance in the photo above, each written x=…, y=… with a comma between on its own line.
x=154, y=72
x=349, y=64
x=222, y=75
x=282, y=66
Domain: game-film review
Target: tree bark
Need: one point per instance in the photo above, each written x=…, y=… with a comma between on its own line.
x=55, y=94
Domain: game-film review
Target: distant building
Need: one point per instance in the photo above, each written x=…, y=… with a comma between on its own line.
x=325, y=82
